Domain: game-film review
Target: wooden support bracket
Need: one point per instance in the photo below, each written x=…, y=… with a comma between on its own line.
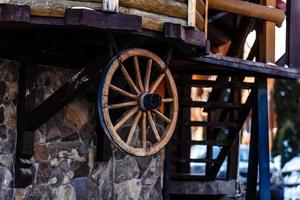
x=29, y=118
x=24, y=142
x=76, y=85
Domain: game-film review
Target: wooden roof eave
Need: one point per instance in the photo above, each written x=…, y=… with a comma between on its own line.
x=245, y=67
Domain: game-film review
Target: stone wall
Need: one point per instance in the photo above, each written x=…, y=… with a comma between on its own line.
x=64, y=163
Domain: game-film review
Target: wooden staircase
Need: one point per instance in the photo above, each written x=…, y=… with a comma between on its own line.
x=188, y=172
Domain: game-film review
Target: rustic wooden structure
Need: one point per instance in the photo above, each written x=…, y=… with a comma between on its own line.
x=152, y=41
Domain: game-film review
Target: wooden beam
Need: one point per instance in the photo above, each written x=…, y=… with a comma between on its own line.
x=188, y=36
x=293, y=32
x=103, y=20
x=254, y=68
x=249, y=9
x=240, y=35
x=14, y=13
x=76, y=85
x=24, y=141
x=169, y=8
x=154, y=21
x=191, y=18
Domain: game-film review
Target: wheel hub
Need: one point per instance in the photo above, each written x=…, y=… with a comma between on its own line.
x=149, y=101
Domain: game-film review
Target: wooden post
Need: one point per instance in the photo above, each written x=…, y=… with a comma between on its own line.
x=206, y=18
x=263, y=140
x=249, y=9
x=110, y=5
x=266, y=38
x=191, y=13
x=293, y=31
x=253, y=151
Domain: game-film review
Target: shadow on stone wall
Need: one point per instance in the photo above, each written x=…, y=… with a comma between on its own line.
x=64, y=150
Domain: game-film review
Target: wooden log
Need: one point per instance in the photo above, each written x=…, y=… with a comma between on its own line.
x=53, y=8
x=163, y=7
x=150, y=20
x=153, y=21
x=173, y=8
x=249, y=9
x=200, y=6
x=200, y=23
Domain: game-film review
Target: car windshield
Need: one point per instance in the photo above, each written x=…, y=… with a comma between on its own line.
x=244, y=154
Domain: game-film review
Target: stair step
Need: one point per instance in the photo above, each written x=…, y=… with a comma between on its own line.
x=174, y=160
x=212, y=105
x=216, y=84
x=193, y=187
x=210, y=124
x=186, y=177
x=194, y=142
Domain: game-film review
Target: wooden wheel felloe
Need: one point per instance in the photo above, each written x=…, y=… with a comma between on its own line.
x=129, y=100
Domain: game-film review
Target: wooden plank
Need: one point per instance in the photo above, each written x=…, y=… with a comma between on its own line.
x=108, y=21
x=249, y=9
x=154, y=21
x=189, y=36
x=14, y=13
x=258, y=68
x=191, y=18
x=169, y=8
x=54, y=8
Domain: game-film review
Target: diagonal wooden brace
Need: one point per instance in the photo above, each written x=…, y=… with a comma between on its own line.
x=76, y=85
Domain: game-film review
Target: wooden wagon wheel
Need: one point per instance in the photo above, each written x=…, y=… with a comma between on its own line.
x=140, y=103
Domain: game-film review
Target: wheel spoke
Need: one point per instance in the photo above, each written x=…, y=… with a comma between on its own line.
x=157, y=82
x=147, y=76
x=168, y=100
x=129, y=79
x=153, y=126
x=162, y=116
x=133, y=127
x=125, y=118
x=122, y=105
x=123, y=92
x=138, y=73
x=144, y=131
